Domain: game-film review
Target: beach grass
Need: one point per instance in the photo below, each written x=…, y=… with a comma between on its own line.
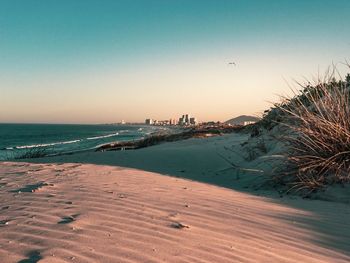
x=317, y=122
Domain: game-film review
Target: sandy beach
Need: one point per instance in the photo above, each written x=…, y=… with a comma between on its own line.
x=174, y=131
x=148, y=206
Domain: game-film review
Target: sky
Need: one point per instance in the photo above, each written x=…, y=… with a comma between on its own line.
x=101, y=61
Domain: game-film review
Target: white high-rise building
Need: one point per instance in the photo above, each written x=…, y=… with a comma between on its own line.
x=149, y=122
x=193, y=121
x=186, y=119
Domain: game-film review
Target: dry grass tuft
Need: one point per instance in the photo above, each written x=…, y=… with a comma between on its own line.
x=319, y=120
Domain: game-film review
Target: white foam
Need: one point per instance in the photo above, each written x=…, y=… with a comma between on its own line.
x=103, y=136
x=42, y=145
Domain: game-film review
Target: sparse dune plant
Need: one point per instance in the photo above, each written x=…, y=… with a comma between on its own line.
x=317, y=120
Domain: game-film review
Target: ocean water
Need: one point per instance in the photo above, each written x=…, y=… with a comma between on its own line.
x=16, y=139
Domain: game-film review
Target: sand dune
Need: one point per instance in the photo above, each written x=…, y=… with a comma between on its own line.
x=91, y=213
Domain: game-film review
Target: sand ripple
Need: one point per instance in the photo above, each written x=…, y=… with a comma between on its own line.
x=90, y=213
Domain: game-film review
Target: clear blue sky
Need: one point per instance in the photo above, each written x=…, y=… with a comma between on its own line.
x=102, y=61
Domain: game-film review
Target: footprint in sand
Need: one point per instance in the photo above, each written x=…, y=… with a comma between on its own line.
x=121, y=195
x=31, y=188
x=68, y=219
x=32, y=257
x=4, y=222
x=33, y=171
x=178, y=225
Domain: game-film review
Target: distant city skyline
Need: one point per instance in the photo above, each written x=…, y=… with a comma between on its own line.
x=183, y=120
x=103, y=61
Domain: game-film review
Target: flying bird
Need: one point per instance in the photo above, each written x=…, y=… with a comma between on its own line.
x=232, y=63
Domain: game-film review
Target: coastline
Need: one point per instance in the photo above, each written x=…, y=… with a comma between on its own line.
x=55, y=139
x=172, y=135
x=175, y=201
x=174, y=131
x=233, y=160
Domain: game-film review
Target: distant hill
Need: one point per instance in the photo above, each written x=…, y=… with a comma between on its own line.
x=241, y=119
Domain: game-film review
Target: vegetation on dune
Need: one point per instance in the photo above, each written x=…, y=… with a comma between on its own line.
x=317, y=132
x=157, y=138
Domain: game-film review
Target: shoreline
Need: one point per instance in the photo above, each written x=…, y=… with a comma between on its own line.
x=172, y=134
x=203, y=198
x=183, y=134
x=232, y=160
x=57, y=140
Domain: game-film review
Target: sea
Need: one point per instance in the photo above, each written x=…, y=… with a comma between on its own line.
x=55, y=139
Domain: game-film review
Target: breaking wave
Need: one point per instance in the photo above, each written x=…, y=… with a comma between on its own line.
x=41, y=145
